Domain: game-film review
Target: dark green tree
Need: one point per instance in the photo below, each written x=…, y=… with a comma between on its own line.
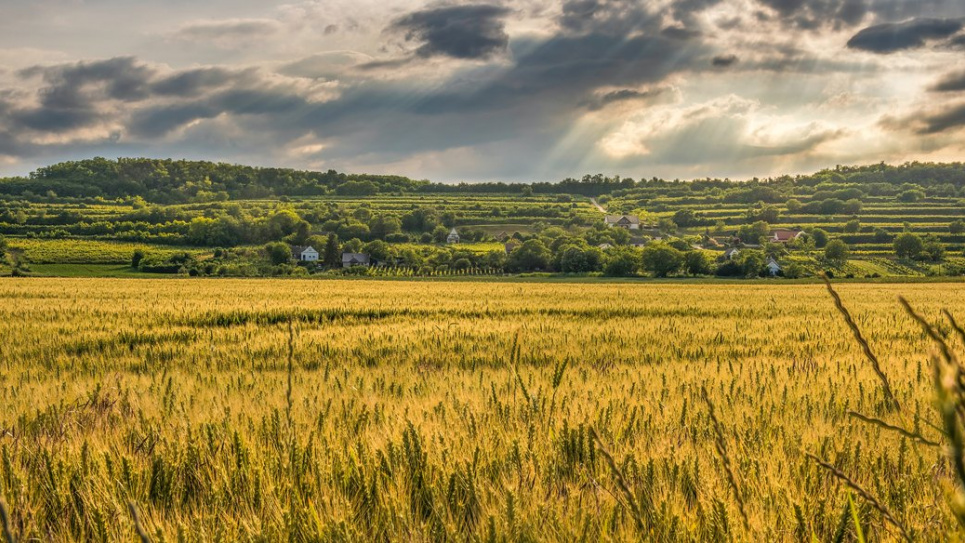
x=332, y=256
x=908, y=245
x=662, y=260
x=532, y=255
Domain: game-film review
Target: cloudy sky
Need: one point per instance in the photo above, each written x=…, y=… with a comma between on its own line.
x=520, y=90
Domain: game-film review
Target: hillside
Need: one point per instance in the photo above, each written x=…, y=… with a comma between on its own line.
x=207, y=218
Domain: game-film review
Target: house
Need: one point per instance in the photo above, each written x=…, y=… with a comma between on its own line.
x=604, y=246
x=511, y=245
x=304, y=254
x=630, y=222
x=773, y=267
x=350, y=260
x=731, y=254
x=785, y=236
x=453, y=236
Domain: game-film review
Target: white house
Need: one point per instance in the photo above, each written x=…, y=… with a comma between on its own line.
x=785, y=236
x=355, y=259
x=773, y=267
x=304, y=254
x=453, y=236
x=731, y=254
x=630, y=222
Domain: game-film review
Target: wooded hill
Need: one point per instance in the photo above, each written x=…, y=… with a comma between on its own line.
x=167, y=181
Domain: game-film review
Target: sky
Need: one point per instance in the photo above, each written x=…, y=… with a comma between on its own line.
x=488, y=90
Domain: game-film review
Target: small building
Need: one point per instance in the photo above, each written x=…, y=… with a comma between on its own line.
x=630, y=222
x=511, y=246
x=604, y=246
x=453, y=236
x=773, y=267
x=350, y=260
x=785, y=236
x=731, y=254
x=304, y=254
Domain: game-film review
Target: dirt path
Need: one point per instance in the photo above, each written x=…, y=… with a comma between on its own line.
x=597, y=205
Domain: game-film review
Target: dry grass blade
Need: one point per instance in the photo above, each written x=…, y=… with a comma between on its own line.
x=863, y=493
x=621, y=482
x=889, y=396
x=5, y=520
x=958, y=329
x=141, y=534
x=720, y=445
x=931, y=332
x=882, y=424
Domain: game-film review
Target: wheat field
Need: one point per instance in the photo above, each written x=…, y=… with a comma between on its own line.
x=260, y=410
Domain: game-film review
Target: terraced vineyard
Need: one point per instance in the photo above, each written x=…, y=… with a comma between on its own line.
x=363, y=410
x=931, y=216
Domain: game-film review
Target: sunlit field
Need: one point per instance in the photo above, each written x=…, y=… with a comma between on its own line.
x=255, y=410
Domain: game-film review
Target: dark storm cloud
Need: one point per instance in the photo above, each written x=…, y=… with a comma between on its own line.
x=609, y=16
x=817, y=14
x=195, y=82
x=950, y=118
x=724, y=61
x=475, y=31
x=950, y=83
x=71, y=93
x=623, y=95
x=123, y=79
x=911, y=34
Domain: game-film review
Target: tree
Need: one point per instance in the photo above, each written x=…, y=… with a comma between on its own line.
x=662, y=260
x=882, y=235
x=574, y=260
x=933, y=249
x=752, y=233
x=278, y=253
x=820, y=237
x=384, y=225
x=911, y=196
x=698, y=263
x=793, y=205
x=332, y=256
x=532, y=255
x=353, y=245
x=957, y=227
x=836, y=252
x=378, y=250
x=354, y=230
x=357, y=188
x=440, y=234
x=685, y=217
x=622, y=262
x=852, y=226
x=316, y=242
x=852, y=206
x=136, y=258
x=908, y=245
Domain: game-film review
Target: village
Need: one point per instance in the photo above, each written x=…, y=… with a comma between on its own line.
x=721, y=249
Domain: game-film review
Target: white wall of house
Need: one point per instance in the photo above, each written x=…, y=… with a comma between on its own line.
x=309, y=255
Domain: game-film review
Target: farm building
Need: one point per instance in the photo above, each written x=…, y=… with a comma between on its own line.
x=453, y=236
x=350, y=260
x=630, y=222
x=304, y=254
x=773, y=267
x=731, y=253
x=785, y=236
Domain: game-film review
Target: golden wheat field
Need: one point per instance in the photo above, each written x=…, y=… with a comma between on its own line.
x=259, y=410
